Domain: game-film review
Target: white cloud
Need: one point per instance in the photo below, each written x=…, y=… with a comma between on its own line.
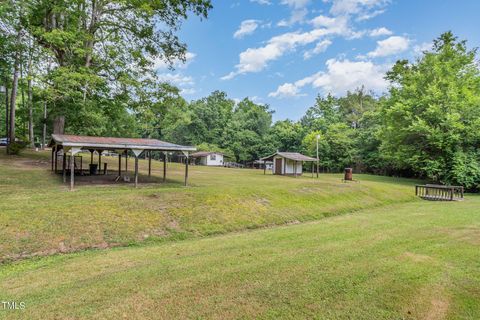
x=340, y=76
x=297, y=4
x=184, y=83
x=285, y=90
x=299, y=12
x=422, y=47
x=389, y=46
x=263, y=2
x=296, y=17
x=355, y=7
x=380, y=32
x=319, y=48
x=188, y=91
x=160, y=64
x=176, y=79
x=246, y=27
x=369, y=15
x=257, y=59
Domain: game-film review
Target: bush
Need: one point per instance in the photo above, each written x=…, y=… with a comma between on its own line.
x=16, y=147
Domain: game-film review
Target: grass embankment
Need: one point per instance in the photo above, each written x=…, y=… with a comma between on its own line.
x=418, y=260
x=39, y=216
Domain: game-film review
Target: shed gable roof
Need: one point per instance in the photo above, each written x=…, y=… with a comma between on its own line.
x=290, y=155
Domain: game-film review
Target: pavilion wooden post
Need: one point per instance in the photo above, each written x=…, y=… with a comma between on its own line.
x=186, y=166
x=264, y=167
x=119, y=164
x=91, y=155
x=295, y=168
x=53, y=156
x=56, y=159
x=164, y=166
x=73, y=152
x=136, y=172
x=126, y=160
x=99, y=159
x=64, y=164
x=136, y=152
x=72, y=171
x=149, y=163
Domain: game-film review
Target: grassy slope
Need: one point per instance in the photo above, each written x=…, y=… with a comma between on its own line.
x=40, y=216
x=419, y=260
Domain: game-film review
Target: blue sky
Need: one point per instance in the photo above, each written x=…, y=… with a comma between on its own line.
x=286, y=52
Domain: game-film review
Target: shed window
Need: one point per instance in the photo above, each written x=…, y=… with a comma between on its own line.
x=213, y=157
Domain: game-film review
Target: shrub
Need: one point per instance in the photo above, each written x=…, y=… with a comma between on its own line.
x=16, y=147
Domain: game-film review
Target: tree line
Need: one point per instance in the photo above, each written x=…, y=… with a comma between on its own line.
x=92, y=62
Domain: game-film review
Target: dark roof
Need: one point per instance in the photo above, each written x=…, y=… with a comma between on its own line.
x=204, y=154
x=87, y=142
x=289, y=155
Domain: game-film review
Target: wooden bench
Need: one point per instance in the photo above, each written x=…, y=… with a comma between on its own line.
x=439, y=192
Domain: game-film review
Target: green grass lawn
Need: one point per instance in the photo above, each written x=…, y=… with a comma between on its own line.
x=419, y=260
x=380, y=254
x=41, y=217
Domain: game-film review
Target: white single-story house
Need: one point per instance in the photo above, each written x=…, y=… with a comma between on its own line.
x=288, y=163
x=206, y=158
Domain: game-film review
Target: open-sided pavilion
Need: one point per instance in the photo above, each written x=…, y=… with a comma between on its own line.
x=73, y=144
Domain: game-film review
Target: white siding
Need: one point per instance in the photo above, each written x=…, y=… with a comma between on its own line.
x=208, y=161
x=289, y=167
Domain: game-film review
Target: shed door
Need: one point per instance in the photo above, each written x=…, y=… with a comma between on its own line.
x=278, y=166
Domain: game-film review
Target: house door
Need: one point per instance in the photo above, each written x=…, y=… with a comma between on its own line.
x=278, y=166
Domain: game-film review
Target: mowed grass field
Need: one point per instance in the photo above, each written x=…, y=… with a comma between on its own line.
x=235, y=244
x=419, y=260
x=39, y=216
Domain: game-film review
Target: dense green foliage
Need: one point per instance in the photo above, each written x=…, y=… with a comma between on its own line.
x=432, y=116
x=92, y=60
x=427, y=125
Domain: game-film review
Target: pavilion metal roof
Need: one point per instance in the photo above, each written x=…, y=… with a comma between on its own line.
x=289, y=155
x=89, y=142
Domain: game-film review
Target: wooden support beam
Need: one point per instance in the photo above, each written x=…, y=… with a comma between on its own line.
x=164, y=166
x=53, y=156
x=136, y=171
x=186, y=168
x=72, y=171
x=99, y=160
x=119, y=165
x=91, y=155
x=56, y=159
x=126, y=160
x=137, y=153
x=64, y=164
x=264, y=167
x=149, y=163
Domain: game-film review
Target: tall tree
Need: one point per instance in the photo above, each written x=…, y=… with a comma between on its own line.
x=432, y=117
x=104, y=52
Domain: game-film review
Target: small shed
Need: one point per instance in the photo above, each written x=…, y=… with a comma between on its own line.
x=207, y=158
x=288, y=163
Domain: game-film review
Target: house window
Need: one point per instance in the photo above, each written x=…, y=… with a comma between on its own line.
x=213, y=157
